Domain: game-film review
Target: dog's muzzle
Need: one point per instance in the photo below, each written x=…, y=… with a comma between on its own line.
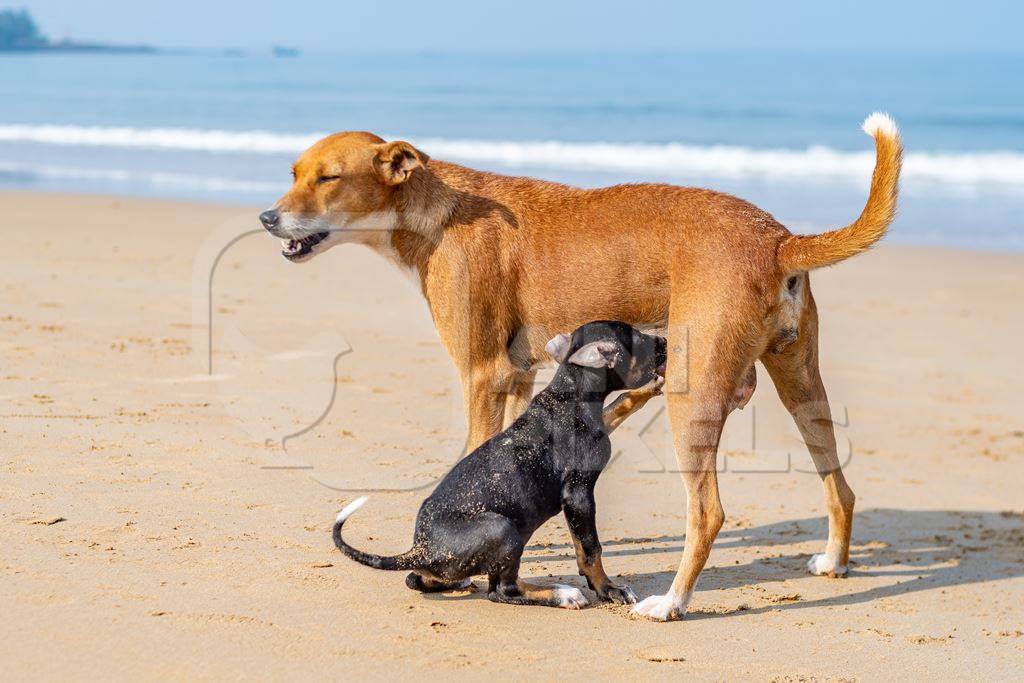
x=270, y=220
x=295, y=249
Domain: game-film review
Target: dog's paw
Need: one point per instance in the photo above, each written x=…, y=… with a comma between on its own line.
x=568, y=597
x=822, y=565
x=623, y=595
x=661, y=608
x=464, y=585
x=654, y=387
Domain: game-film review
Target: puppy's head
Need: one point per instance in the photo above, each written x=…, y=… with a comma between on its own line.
x=625, y=357
x=344, y=187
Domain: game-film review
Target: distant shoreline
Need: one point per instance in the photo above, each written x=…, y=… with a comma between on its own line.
x=20, y=34
x=91, y=48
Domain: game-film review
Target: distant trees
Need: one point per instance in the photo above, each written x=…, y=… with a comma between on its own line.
x=19, y=32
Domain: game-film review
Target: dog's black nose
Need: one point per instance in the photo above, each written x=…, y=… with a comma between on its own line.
x=270, y=219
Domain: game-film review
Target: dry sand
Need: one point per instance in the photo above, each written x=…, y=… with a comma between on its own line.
x=154, y=525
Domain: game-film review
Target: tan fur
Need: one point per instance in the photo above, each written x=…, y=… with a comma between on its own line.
x=505, y=263
x=541, y=594
x=627, y=404
x=592, y=568
x=816, y=251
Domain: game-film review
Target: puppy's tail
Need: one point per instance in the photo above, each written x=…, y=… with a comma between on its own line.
x=806, y=252
x=407, y=560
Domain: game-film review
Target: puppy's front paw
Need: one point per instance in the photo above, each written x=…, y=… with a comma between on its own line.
x=654, y=387
x=822, y=565
x=623, y=595
x=661, y=608
x=568, y=597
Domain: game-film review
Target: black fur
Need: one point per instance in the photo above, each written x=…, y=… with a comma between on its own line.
x=481, y=515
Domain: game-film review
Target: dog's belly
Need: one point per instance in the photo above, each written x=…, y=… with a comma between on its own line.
x=527, y=347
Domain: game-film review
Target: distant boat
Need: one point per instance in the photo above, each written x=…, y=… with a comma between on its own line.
x=281, y=51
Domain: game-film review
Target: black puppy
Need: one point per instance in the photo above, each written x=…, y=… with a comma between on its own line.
x=481, y=515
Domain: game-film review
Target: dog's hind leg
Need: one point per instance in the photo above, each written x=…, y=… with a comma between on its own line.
x=511, y=590
x=797, y=378
x=519, y=395
x=503, y=545
x=427, y=584
x=709, y=351
x=483, y=390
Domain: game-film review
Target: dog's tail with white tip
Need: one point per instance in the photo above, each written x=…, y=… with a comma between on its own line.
x=407, y=560
x=806, y=252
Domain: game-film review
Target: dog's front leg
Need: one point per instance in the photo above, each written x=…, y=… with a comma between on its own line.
x=578, y=504
x=628, y=403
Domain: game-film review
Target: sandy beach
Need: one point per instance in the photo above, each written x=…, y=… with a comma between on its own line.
x=183, y=412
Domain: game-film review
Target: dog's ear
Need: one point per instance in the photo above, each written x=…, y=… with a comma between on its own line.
x=599, y=354
x=558, y=347
x=395, y=161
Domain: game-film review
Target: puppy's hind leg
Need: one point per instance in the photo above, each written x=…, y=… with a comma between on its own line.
x=523, y=593
x=508, y=588
x=505, y=551
x=429, y=584
x=459, y=548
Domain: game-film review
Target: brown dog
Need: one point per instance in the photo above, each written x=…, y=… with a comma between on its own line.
x=505, y=263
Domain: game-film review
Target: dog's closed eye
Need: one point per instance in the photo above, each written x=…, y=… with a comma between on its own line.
x=327, y=178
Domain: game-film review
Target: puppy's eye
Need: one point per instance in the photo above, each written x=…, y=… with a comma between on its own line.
x=327, y=178
x=792, y=283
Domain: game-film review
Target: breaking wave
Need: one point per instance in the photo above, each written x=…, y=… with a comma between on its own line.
x=1005, y=168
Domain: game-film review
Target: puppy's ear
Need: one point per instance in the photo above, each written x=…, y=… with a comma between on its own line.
x=558, y=347
x=599, y=354
x=395, y=161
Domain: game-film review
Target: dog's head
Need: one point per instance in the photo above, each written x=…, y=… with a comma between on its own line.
x=622, y=355
x=344, y=187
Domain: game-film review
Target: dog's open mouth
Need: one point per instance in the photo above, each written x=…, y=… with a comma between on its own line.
x=296, y=249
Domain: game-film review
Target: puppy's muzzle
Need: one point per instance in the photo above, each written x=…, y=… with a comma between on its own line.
x=661, y=356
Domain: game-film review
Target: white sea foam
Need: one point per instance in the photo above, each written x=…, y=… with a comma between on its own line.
x=170, y=181
x=1004, y=168
x=159, y=138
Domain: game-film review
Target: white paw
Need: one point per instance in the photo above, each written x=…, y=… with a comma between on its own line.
x=822, y=565
x=661, y=607
x=569, y=597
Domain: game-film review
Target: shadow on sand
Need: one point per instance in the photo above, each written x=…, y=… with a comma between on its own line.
x=920, y=550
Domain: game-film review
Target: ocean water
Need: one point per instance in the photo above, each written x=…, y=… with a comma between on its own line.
x=781, y=130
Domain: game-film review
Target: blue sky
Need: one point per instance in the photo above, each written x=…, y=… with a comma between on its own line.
x=543, y=25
